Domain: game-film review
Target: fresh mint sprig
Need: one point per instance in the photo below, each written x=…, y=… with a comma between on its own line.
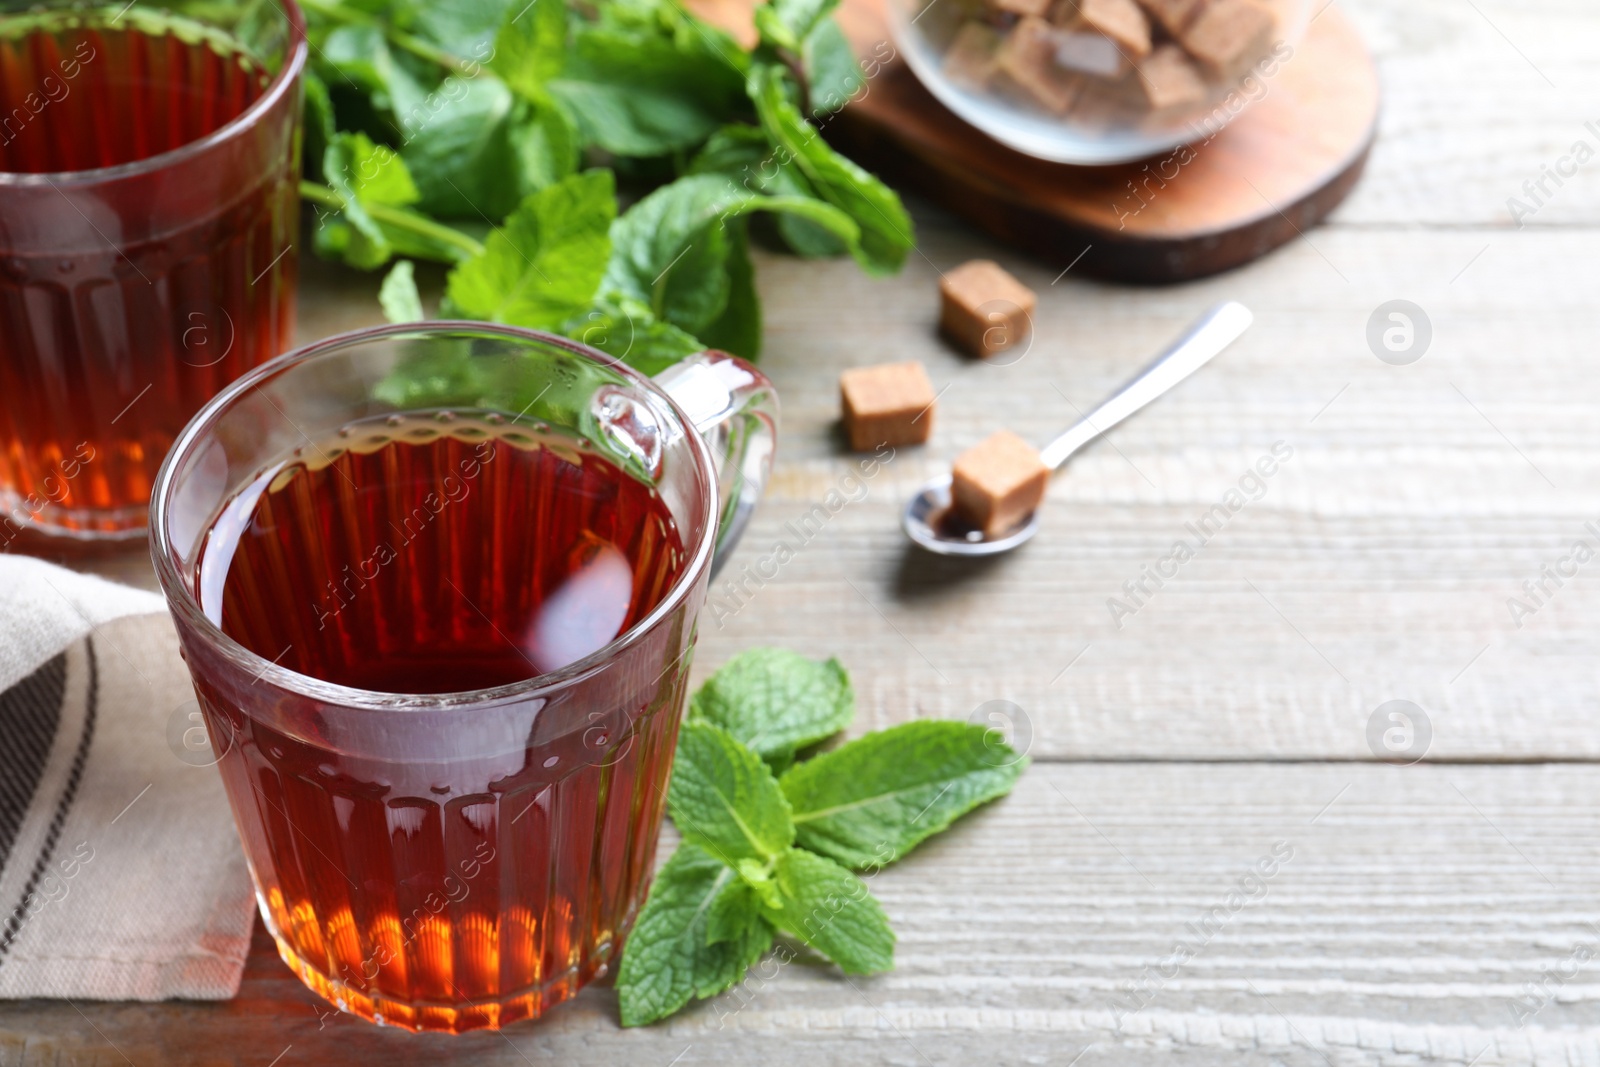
x=461, y=133
x=764, y=854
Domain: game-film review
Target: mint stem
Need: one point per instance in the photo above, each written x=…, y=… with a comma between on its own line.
x=399, y=38
x=396, y=217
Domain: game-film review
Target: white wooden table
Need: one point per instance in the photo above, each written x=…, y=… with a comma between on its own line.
x=1444, y=913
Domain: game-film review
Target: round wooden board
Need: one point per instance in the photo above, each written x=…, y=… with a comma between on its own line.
x=1286, y=162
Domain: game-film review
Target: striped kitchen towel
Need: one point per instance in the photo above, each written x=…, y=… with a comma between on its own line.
x=121, y=876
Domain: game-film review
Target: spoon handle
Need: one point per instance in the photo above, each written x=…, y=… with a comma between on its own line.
x=1218, y=329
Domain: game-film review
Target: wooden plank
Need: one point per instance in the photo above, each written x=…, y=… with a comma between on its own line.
x=1408, y=915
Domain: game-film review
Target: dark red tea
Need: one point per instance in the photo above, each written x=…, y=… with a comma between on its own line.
x=129, y=299
x=94, y=93
x=423, y=877
x=441, y=557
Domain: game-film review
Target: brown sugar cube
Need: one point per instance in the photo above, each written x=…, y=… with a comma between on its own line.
x=1228, y=35
x=1119, y=20
x=1025, y=8
x=983, y=308
x=1027, y=59
x=890, y=404
x=970, y=62
x=1093, y=54
x=1170, y=79
x=1173, y=15
x=1085, y=50
x=998, y=482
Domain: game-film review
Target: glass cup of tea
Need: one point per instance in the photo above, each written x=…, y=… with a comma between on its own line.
x=149, y=202
x=437, y=587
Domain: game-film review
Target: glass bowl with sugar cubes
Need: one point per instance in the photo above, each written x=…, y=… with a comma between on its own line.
x=1098, y=81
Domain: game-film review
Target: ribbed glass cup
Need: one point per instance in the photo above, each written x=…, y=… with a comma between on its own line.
x=455, y=861
x=149, y=206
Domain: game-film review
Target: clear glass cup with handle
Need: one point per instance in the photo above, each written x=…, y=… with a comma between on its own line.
x=449, y=860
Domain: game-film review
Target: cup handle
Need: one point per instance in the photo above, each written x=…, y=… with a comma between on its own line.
x=735, y=410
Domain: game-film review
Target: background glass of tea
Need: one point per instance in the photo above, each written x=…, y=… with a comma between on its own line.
x=149, y=165
x=437, y=586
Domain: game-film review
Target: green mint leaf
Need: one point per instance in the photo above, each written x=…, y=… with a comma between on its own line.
x=544, y=264
x=830, y=909
x=786, y=23
x=724, y=799
x=319, y=124
x=885, y=227
x=669, y=957
x=776, y=701
x=633, y=335
x=773, y=31
x=736, y=151
x=469, y=154
x=631, y=121
x=364, y=175
x=808, y=240
x=530, y=47
x=744, y=154
x=544, y=143
x=803, y=236
x=665, y=251
x=670, y=251
x=871, y=801
x=357, y=58
x=464, y=28
x=737, y=328
x=693, y=291
x=398, y=295
x=369, y=173
x=833, y=74
x=651, y=83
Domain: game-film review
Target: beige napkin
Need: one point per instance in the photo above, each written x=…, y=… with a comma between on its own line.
x=121, y=876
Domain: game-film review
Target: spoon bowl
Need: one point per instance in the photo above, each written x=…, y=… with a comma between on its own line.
x=930, y=519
